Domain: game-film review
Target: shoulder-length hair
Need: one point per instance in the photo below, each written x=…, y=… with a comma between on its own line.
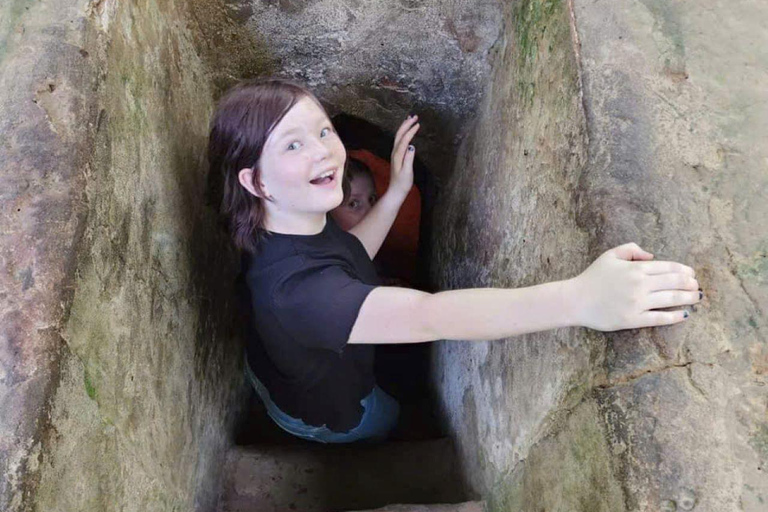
x=241, y=124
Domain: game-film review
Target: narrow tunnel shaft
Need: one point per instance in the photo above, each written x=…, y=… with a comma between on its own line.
x=429, y=59
x=556, y=129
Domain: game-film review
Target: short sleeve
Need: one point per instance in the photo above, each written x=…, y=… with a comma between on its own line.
x=319, y=306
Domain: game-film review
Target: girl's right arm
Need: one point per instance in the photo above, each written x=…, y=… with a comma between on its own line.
x=613, y=293
x=402, y=315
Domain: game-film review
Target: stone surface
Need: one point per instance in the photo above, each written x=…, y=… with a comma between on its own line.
x=120, y=369
x=579, y=126
x=673, y=158
x=45, y=79
x=316, y=478
x=384, y=60
x=470, y=506
x=515, y=226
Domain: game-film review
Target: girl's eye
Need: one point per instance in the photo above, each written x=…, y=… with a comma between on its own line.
x=294, y=145
x=324, y=130
x=353, y=203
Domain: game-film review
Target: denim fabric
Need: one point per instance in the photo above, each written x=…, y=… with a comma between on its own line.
x=380, y=417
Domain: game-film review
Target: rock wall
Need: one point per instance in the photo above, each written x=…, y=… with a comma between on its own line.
x=673, y=157
x=44, y=78
x=121, y=368
x=508, y=218
x=381, y=60
x=595, y=124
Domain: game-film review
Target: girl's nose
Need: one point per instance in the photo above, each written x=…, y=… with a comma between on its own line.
x=321, y=149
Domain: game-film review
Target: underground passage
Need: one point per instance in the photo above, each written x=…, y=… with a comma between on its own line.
x=569, y=152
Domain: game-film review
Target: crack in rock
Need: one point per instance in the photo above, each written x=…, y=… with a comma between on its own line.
x=632, y=376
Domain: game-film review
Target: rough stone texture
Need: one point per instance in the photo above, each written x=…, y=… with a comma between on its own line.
x=515, y=226
x=45, y=78
x=678, y=158
x=316, y=478
x=669, y=418
x=222, y=38
x=569, y=470
x=120, y=367
x=601, y=123
x=470, y=506
x=381, y=60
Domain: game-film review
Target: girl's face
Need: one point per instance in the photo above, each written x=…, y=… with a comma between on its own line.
x=362, y=197
x=302, y=147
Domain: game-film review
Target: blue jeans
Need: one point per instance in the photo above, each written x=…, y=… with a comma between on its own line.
x=380, y=417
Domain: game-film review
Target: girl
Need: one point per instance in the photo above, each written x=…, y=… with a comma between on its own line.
x=316, y=304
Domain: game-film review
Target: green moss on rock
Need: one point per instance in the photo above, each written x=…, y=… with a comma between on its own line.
x=756, y=268
x=89, y=387
x=531, y=18
x=537, y=24
x=759, y=441
x=569, y=471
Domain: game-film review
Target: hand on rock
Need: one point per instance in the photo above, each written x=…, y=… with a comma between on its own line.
x=616, y=292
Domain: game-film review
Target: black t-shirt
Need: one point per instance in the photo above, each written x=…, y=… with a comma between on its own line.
x=305, y=294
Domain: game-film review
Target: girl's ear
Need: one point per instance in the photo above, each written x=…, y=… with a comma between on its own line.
x=245, y=177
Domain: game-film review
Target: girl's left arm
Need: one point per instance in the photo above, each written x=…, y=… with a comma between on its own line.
x=373, y=229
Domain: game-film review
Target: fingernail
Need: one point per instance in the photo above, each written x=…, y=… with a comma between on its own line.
x=685, y=313
x=410, y=116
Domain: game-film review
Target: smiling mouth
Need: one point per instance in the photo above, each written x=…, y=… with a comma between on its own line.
x=325, y=180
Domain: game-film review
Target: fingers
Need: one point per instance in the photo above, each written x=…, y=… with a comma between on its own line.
x=656, y=318
x=410, y=154
x=406, y=137
x=671, y=281
x=405, y=126
x=631, y=251
x=664, y=267
x=670, y=299
x=401, y=144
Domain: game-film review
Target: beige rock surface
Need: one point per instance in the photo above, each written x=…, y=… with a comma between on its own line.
x=561, y=128
x=673, y=157
x=119, y=368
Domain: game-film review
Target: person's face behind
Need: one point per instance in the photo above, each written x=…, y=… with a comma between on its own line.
x=300, y=148
x=361, y=199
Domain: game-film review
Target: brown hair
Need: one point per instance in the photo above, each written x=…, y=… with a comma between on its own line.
x=352, y=169
x=241, y=124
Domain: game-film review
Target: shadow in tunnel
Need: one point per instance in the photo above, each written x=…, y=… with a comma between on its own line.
x=402, y=370
x=359, y=134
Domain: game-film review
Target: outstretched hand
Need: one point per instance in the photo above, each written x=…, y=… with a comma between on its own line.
x=403, y=153
x=616, y=292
